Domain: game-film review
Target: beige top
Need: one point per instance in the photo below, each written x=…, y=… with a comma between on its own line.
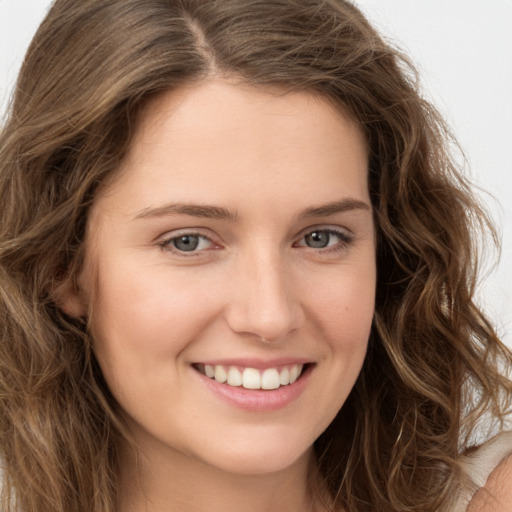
x=481, y=463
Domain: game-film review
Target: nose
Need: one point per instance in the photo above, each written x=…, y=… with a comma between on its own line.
x=263, y=300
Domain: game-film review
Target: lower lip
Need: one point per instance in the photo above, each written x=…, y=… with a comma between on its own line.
x=258, y=400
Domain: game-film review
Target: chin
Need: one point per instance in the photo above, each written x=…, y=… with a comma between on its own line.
x=259, y=456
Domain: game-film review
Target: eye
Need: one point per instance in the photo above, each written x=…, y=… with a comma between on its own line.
x=325, y=239
x=318, y=239
x=187, y=242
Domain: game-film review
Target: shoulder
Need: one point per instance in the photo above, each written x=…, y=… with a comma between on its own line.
x=495, y=494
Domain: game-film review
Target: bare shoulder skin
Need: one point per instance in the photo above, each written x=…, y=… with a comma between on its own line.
x=496, y=495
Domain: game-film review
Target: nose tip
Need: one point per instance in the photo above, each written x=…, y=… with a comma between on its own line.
x=264, y=304
x=269, y=325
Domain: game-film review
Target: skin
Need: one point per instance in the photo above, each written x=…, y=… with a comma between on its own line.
x=254, y=288
x=496, y=495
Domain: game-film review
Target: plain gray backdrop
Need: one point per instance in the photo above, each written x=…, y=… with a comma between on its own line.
x=463, y=50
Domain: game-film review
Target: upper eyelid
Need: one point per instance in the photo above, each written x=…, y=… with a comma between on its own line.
x=166, y=241
x=325, y=227
x=345, y=237
x=176, y=233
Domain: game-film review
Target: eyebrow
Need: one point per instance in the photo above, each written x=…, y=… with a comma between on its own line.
x=193, y=210
x=220, y=213
x=342, y=206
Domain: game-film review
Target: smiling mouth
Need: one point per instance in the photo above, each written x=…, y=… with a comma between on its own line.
x=252, y=378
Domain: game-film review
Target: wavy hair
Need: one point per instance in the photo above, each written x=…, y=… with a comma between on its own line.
x=432, y=368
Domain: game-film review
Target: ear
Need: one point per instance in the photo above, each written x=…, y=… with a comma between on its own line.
x=70, y=298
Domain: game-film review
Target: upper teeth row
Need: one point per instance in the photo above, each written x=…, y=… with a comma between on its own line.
x=251, y=378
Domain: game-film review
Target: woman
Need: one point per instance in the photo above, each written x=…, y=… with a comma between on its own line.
x=237, y=270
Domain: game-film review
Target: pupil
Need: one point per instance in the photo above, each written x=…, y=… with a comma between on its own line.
x=317, y=239
x=186, y=243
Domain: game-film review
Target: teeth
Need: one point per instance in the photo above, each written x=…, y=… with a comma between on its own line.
x=251, y=378
x=270, y=379
x=294, y=373
x=220, y=374
x=234, y=377
x=284, y=377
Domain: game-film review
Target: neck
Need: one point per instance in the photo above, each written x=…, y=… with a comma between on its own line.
x=173, y=481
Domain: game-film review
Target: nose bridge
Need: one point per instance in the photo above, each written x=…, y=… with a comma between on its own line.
x=263, y=301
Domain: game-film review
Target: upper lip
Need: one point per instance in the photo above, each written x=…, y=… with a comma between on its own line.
x=259, y=364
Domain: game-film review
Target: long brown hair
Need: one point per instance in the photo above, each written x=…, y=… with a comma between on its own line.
x=432, y=366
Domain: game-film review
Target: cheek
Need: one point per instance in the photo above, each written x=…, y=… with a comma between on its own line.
x=144, y=320
x=341, y=308
x=343, y=304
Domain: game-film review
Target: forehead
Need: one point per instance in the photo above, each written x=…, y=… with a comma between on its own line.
x=229, y=141
x=216, y=105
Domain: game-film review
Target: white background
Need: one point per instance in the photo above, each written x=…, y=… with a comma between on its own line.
x=463, y=50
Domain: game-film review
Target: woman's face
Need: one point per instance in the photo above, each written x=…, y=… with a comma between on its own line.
x=237, y=241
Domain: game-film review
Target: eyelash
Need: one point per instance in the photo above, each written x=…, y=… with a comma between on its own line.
x=343, y=243
x=167, y=244
x=344, y=240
